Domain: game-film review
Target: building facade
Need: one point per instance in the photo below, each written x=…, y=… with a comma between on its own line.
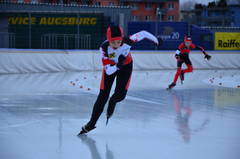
x=213, y=15
x=142, y=10
x=146, y=10
x=152, y=10
x=235, y=13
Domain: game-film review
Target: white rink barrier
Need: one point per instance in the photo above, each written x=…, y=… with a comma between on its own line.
x=37, y=60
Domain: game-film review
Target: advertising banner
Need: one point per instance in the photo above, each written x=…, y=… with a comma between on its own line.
x=227, y=41
x=172, y=34
x=56, y=30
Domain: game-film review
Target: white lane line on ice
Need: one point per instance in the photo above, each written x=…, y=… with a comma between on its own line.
x=141, y=100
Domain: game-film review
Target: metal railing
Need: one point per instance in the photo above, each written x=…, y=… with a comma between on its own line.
x=222, y=29
x=7, y=40
x=66, y=41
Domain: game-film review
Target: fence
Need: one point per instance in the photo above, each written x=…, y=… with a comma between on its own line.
x=65, y=41
x=81, y=25
x=53, y=30
x=222, y=29
x=7, y=40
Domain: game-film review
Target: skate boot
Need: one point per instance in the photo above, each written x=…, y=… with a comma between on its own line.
x=86, y=129
x=171, y=86
x=182, y=77
x=110, y=110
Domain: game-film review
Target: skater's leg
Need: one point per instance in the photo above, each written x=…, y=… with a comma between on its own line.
x=188, y=69
x=178, y=72
x=122, y=85
x=106, y=85
x=177, y=75
x=99, y=106
x=188, y=62
x=173, y=84
x=116, y=97
x=184, y=58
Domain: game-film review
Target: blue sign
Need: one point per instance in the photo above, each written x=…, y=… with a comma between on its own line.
x=172, y=34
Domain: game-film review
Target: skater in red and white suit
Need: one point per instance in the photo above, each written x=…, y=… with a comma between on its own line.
x=182, y=56
x=117, y=63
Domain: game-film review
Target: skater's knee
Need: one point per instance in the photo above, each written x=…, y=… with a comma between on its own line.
x=118, y=96
x=102, y=97
x=178, y=70
x=122, y=96
x=190, y=68
x=103, y=94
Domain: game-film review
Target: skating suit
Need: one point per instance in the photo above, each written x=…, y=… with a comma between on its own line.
x=110, y=71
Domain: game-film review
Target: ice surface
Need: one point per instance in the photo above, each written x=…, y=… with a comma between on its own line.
x=41, y=115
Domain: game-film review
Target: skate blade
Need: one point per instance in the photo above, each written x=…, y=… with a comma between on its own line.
x=108, y=117
x=107, y=121
x=81, y=133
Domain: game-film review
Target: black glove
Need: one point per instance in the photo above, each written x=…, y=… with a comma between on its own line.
x=208, y=57
x=121, y=60
x=177, y=56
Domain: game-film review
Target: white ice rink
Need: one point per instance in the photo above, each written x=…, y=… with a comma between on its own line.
x=41, y=115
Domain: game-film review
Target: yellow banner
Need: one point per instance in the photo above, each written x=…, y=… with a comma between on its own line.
x=52, y=20
x=227, y=41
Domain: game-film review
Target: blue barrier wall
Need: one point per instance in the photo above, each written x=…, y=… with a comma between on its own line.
x=172, y=34
x=202, y=37
x=235, y=10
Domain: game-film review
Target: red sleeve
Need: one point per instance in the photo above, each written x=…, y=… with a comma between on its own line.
x=192, y=46
x=106, y=61
x=200, y=48
x=180, y=46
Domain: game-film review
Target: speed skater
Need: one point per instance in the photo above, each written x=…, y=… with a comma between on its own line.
x=117, y=63
x=182, y=56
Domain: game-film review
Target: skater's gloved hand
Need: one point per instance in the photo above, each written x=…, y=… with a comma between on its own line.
x=110, y=69
x=208, y=57
x=121, y=60
x=177, y=56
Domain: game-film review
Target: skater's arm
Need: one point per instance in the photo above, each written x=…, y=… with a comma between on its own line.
x=105, y=59
x=108, y=64
x=143, y=35
x=110, y=69
x=201, y=49
x=178, y=51
x=208, y=57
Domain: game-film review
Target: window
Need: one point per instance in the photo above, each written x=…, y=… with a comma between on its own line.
x=159, y=5
x=170, y=6
x=171, y=18
x=148, y=17
x=134, y=18
x=134, y=6
x=111, y=3
x=98, y=3
x=148, y=6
